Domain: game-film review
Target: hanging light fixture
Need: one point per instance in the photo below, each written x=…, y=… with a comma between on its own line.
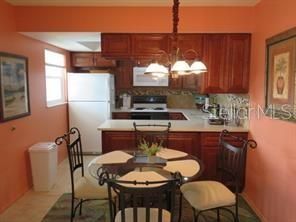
x=177, y=66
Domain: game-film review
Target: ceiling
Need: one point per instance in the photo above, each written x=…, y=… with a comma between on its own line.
x=133, y=2
x=71, y=41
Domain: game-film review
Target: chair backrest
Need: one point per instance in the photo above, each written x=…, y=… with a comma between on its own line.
x=232, y=158
x=74, y=148
x=152, y=133
x=159, y=195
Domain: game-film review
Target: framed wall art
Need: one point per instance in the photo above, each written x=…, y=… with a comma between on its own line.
x=14, y=89
x=281, y=76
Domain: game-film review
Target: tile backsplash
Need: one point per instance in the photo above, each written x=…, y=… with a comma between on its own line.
x=186, y=98
x=236, y=106
x=176, y=98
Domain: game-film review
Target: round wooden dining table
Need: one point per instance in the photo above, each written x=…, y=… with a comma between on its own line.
x=136, y=166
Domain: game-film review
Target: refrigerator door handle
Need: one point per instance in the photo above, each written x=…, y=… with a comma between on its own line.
x=108, y=110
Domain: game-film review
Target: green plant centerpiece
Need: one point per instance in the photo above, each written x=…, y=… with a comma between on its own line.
x=150, y=149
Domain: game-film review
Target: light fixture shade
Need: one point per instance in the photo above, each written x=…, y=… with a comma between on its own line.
x=155, y=68
x=181, y=68
x=198, y=67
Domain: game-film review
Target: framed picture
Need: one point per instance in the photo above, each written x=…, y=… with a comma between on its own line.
x=281, y=76
x=14, y=89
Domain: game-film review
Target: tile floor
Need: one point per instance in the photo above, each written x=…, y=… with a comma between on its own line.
x=33, y=206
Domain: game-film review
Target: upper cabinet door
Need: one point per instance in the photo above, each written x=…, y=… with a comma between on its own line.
x=82, y=59
x=187, y=42
x=191, y=47
x=90, y=59
x=124, y=75
x=214, y=58
x=149, y=45
x=238, y=63
x=116, y=45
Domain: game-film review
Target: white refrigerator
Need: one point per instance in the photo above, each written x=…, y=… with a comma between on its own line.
x=90, y=101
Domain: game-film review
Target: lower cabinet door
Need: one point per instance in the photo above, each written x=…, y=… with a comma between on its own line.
x=209, y=158
x=115, y=140
x=186, y=142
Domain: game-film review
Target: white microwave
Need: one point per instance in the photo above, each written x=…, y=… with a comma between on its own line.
x=141, y=79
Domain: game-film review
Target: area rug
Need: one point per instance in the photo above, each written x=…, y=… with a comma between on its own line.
x=97, y=211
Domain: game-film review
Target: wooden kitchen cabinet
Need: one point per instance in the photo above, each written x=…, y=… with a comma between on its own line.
x=148, y=45
x=213, y=81
x=123, y=46
x=238, y=63
x=82, y=59
x=183, y=141
x=115, y=45
x=176, y=83
x=191, y=47
x=176, y=116
x=189, y=42
x=117, y=140
x=227, y=57
x=209, y=152
x=190, y=82
x=186, y=142
x=124, y=75
x=90, y=59
x=121, y=115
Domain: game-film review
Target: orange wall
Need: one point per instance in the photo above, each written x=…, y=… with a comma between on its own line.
x=271, y=168
x=44, y=124
x=271, y=172
x=133, y=19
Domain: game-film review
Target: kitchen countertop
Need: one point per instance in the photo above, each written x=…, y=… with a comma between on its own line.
x=196, y=122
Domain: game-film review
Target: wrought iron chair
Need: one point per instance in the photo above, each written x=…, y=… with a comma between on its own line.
x=150, y=202
x=83, y=189
x=152, y=133
x=213, y=195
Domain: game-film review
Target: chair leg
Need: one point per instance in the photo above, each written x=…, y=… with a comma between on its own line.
x=197, y=216
x=114, y=210
x=80, y=207
x=72, y=209
x=218, y=214
x=194, y=215
x=236, y=212
x=180, y=207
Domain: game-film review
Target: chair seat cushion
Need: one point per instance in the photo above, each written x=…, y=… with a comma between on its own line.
x=166, y=216
x=205, y=195
x=84, y=188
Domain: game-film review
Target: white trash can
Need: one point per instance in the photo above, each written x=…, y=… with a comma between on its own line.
x=44, y=162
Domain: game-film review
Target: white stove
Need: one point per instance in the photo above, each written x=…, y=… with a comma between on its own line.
x=149, y=107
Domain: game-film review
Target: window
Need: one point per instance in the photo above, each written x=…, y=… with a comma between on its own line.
x=55, y=72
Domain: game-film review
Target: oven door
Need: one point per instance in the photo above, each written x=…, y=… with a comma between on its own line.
x=160, y=115
x=140, y=115
x=150, y=115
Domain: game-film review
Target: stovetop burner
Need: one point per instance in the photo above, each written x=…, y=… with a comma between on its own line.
x=149, y=109
x=158, y=108
x=149, y=104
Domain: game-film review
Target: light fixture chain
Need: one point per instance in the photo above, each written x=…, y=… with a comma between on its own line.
x=175, y=20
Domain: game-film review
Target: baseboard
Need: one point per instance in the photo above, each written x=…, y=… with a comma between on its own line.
x=91, y=153
x=253, y=206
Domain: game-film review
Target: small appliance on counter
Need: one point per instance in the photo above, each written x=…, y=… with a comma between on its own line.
x=126, y=101
x=214, y=112
x=200, y=100
x=150, y=107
